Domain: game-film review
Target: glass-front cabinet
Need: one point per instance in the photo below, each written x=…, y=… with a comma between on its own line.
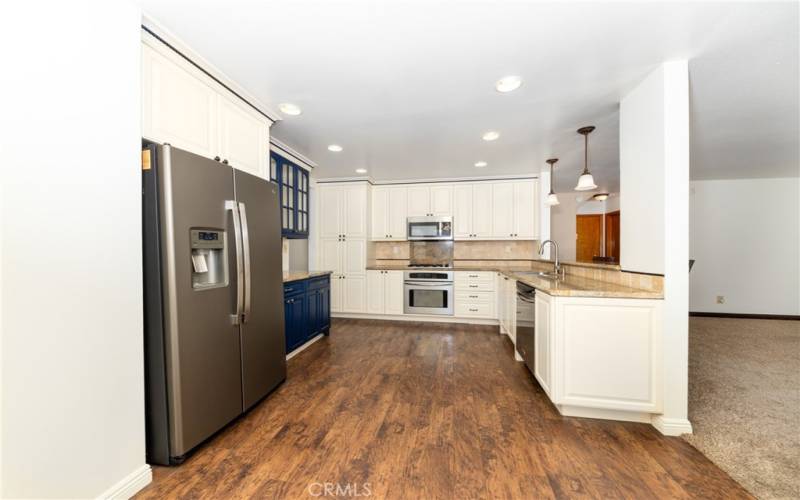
x=294, y=192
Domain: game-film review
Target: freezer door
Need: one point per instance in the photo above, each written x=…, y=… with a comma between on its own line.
x=202, y=342
x=262, y=330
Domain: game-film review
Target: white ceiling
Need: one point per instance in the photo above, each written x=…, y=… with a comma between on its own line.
x=407, y=88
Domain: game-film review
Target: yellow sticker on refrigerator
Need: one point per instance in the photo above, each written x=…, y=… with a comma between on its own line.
x=146, y=159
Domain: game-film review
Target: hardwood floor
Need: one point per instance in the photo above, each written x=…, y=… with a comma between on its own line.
x=420, y=410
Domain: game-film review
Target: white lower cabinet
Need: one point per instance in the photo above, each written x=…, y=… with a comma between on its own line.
x=475, y=295
x=346, y=259
x=507, y=306
x=354, y=294
x=385, y=292
x=600, y=353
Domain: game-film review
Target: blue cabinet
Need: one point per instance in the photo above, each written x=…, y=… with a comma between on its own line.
x=292, y=181
x=307, y=308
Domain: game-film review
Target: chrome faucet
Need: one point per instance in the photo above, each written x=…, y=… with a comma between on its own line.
x=557, y=266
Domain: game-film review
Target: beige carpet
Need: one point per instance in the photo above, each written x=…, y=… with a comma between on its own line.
x=744, y=400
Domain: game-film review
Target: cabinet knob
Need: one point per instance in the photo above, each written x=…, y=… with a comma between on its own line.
x=225, y=161
x=216, y=158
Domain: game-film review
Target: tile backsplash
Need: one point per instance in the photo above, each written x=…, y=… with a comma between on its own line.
x=462, y=250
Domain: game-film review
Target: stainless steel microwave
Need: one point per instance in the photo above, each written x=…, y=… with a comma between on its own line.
x=430, y=228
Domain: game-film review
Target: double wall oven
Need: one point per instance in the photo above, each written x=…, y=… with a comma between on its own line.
x=428, y=291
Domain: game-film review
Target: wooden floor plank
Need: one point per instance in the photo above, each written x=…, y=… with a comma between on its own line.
x=420, y=410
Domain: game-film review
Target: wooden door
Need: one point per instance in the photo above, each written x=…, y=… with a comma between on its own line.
x=612, y=235
x=590, y=231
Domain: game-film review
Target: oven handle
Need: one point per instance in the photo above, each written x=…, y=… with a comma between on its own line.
x=417, y=283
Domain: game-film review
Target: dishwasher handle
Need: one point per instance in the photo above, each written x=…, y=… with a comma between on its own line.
x=526, y=297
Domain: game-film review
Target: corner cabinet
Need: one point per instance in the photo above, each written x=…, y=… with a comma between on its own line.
x=294, y=195
x=182, y=106
x=600, y=357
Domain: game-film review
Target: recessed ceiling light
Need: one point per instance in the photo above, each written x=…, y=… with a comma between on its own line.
x=335, y=148
x=491, y=135
x=480, y=164
x=361, y=170
x=508, y=83
x=290, y=109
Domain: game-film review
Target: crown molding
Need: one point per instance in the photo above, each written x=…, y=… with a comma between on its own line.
x=157, y=31
x=291, y=154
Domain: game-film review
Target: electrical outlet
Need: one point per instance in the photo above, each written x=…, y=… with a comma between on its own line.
x=720, y=299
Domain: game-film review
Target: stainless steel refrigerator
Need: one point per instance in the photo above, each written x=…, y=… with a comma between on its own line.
x=214, y=326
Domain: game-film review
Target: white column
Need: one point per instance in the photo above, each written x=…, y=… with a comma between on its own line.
x=544, y=210
x=654, y=198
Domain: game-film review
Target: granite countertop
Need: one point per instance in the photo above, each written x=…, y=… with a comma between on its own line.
x=571, y=286
x=289, y=276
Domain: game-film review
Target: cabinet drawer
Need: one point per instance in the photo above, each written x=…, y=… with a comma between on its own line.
x=317, y=283
x=475, y=309
x=463, y=296
x=294, y=288
x=474, y=280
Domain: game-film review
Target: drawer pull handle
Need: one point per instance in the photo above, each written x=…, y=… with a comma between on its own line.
x=473, y=296
x=473, y=286
x=473, y=310
x=473, y=275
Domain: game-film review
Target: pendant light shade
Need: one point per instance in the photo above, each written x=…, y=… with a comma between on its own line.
x=551, y=199
x=585, y=181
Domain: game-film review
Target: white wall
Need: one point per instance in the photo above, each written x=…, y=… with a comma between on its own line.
x=654, y=206
x=745, y=237
x=562, y=225
x=72, y=360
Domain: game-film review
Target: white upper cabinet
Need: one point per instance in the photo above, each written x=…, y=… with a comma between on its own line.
x=526, y=216
x=472, y=212
x=462, y=211
x=354, y=210
x=330, y=215
x=435, y=199
x=441, y=200
x=184, y=107
x=419, y=201
x=178, y=108
x=503, y=210
x=243, y=137
x=388, y=213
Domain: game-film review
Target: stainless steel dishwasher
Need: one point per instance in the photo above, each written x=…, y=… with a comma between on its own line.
x=526, y=320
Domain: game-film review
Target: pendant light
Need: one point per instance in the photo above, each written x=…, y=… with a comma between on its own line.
x=552, y=199
x=585, y=181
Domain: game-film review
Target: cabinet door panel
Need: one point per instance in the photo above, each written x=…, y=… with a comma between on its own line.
x=331, y=255
x=240, y=137
x=354, y=294
x=355, y=257
x=312, y=317
x=419, y=201
x=336, y=294
x=330, y=222
x=354, y=213
x=178, y=107
x=375, y=292
x=502, y=210
x=380, y=213
x=393, y=292
x=542, y=353
x=398, y=212
x=525, y=213
x=462, y=211
x=482, y=210
x=442, y=200
x=324, y=308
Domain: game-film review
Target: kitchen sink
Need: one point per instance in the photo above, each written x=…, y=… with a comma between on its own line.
x=542, y=274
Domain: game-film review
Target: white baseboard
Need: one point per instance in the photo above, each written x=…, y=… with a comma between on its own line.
x=604, y=414
x=303, y=347
x=417, y=317
x=130, y=484
x=672, y=426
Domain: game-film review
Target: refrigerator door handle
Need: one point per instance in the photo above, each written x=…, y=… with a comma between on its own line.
x=237, y=235
x=246, y=247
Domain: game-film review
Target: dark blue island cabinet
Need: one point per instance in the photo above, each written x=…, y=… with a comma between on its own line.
x=307, y=310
